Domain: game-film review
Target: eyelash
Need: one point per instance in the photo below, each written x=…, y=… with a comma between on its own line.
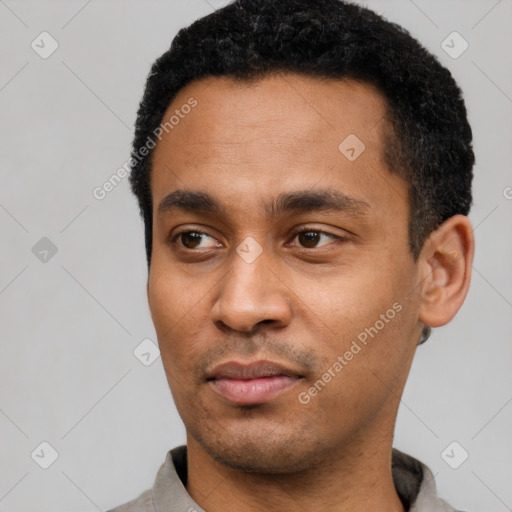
x=296, y=232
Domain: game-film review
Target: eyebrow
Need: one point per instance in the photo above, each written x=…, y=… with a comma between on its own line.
x=301, y=201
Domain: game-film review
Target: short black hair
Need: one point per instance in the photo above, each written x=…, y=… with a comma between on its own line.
x=429, y=141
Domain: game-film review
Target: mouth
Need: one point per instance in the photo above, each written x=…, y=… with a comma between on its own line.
x=251, y=384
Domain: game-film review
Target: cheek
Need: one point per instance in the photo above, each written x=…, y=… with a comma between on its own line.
x=176, y=311
x=163, y=300
x=371, y=310
x=350, y=300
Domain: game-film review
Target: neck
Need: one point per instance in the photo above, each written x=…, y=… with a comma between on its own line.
x=357, y=478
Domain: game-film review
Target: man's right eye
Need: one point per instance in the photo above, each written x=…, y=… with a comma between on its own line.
x=193, y=239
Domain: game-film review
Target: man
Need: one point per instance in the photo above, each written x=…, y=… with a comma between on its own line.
x=303, y=169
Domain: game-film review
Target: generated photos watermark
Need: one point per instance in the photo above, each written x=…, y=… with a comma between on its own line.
x=101, y=191
x=355, y=348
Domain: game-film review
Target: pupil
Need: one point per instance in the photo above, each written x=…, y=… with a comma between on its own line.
x=309, y=238
x=191, y=237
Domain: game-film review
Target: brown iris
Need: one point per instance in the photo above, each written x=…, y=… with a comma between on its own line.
x=191, y=237
x=309, y=238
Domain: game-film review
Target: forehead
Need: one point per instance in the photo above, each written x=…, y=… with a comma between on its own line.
x=280, y=132
x=299, y=104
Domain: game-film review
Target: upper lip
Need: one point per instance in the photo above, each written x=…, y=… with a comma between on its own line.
x=246, y=371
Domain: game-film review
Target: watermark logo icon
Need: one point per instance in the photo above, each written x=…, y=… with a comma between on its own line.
x=454, y=455
x=44, y=45
x=44, y=250
x=249, y=250
x=351, y=147
x=44, y=455
x=454, y=45
x=146, y=352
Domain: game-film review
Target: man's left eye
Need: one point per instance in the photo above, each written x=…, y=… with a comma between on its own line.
x=309, y=238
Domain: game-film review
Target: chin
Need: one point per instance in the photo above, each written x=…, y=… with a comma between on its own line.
x=260, y=458
x=261, y=450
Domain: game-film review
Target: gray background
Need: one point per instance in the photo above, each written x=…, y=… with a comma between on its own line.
x=70, y=324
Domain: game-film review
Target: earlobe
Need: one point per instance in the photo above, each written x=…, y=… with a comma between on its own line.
x=446, y=259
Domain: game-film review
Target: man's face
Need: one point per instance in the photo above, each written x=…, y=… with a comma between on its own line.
x=281, y=348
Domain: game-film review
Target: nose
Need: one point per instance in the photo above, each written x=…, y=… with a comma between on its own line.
x=251, y=294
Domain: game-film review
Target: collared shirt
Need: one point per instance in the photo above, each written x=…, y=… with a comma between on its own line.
x=413, y=481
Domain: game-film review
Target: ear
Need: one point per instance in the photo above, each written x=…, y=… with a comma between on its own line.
x=446, y=262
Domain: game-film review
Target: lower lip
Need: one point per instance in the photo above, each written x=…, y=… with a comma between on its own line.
x=253, y=391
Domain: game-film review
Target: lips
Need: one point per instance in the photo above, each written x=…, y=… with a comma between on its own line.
x=251, y=384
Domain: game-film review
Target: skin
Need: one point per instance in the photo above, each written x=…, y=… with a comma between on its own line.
x=302, y=302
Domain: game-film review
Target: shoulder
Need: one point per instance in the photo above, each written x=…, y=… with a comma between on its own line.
x=416, y=486
x=144, y=503
x=168, y=491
